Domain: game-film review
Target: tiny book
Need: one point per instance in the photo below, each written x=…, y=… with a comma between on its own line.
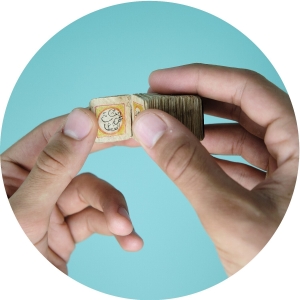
x=115, y=114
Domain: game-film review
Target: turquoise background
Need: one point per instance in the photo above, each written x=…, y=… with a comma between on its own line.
x=109, y=52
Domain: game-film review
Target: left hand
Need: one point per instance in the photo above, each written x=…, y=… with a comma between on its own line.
x=56, y=207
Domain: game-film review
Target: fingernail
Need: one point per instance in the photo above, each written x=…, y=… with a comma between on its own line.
x=148, y=129
x=123, y=212
x=78, y=125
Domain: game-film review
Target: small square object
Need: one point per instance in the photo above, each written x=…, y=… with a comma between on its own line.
x=116, y=114
x=114, y=118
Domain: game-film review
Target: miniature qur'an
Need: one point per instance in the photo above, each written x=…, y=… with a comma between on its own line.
x=116, y=114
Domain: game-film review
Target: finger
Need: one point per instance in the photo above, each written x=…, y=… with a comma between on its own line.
x=64, y=232
x=13, y=176
x=90, y=220
x=25, y=152
x=262, y=102
x=232, y=112
x=232, y=139
x=55, y=167
x=132, y=242
x=60, y=239
x=87, y=222
x=255, y=95
x=247, y=176
x=57, y=261
x=180, y=155
x=88, y=190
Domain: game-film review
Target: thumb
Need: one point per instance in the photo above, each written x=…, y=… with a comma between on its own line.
x=188, y=164
x=57, y=164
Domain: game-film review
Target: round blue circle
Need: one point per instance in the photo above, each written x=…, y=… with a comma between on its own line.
x=110, y=52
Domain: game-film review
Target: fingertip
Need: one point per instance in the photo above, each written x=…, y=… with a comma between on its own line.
x=150, y=90
x=152, y=77
x=156, y=82
x=174, y=80
x=131, y=243
x=135, y=245
x=91, y=115
x=80, y=123
x=149, y=128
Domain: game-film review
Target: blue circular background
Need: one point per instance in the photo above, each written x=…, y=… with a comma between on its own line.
x=109, y=52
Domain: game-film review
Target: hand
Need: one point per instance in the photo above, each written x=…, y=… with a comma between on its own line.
x=56, y=207
x=239, y=206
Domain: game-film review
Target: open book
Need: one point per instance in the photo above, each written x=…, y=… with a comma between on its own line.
x=115, y=114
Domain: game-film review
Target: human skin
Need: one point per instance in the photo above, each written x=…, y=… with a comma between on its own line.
x=56, y=207
x=240, y=206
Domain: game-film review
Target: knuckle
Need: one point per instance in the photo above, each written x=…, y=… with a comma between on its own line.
x=247, y=79
x=238, y=145
x=116, y=195
x=86, y=179
x=254, y=78
x=179, y=162
x=250, y=74
x=87, y=176
x=54, y=159
x=89, y=213
x=113, y=198
x=235, y=113
x=242, y=174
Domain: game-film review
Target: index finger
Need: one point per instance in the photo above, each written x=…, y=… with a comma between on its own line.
x=259, y=99
x=88, y=190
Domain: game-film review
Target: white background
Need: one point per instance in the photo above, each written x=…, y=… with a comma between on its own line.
x=27, y=25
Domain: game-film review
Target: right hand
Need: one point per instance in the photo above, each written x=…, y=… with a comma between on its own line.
x=239, y=206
